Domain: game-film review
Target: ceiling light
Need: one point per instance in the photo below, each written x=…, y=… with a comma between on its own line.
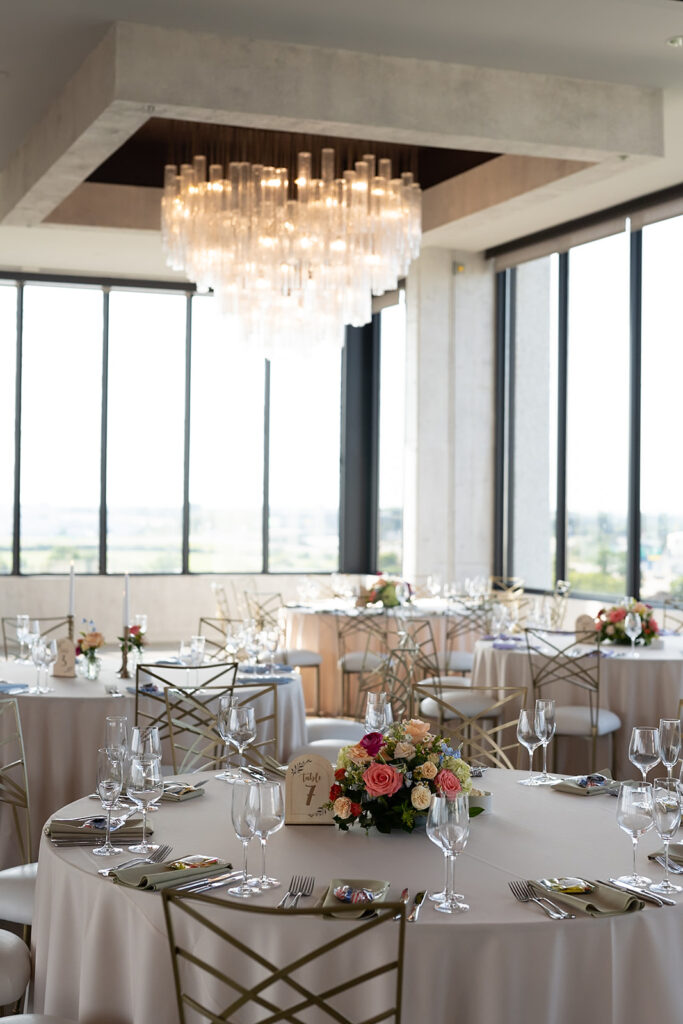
x=293, y=271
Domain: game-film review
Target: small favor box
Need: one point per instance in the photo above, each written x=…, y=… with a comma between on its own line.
x=65, y=665
x=307, y=788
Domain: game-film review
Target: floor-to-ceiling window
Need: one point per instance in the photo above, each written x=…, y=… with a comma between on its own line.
x=392, y=435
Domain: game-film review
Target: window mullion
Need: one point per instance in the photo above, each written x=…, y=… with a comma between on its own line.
x=16, y=519
x=562, y=364
x=104, y=426
x=635, y=339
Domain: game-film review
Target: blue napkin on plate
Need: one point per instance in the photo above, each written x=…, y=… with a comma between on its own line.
x=13, y=687
x=506, y=645
x=150, y=688
x=168, y=661
x=263, y=670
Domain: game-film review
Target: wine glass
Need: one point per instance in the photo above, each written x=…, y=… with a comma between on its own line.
x=33, y=632
x=669, y=743
x=144, y=741
x=225, y=705
x=643, y=749
x=186, y=657
x=49, y=658
x=433, y=834
x=116, y=742
x=267, y=806
x=109, y=782
x=451, y=819
x=22, y=636
x=243, y=822
x=545, y=727
x=145, y=785
x=666, y=798
x=633, y=627
x=635, y=817
x=434, y=585
x=528, y=724
x=376, y=711
x=141, y=621
x=241, y=727
x=37, y=659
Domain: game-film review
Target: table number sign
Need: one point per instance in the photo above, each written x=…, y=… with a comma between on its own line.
x=65, y=665
x=307, y=788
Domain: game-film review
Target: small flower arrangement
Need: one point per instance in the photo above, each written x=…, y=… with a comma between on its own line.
x=384, y=591
x=388, y=780
x=136, y=640
x=89, y=643
x=609, y=622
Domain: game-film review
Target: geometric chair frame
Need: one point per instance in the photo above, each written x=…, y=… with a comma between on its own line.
x=362, y=642
x=13, y=775
x=672, y=618
x=49, y=625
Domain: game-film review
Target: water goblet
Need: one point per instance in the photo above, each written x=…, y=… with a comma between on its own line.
x=376, y=711
x=109, y=782
x=451, y=818
x=545, y=728
x=633, y=627
x=530, y=720
x=669, y=743
x=643, y=750
x=243, y=822
x=49, y=658
x=666, y=798
x=433, y=834
x=145, y=785
x=635, y=816
x=22, y=636
x=241, y=727
x=265, y=800
x=144, y=741
x=225, y=705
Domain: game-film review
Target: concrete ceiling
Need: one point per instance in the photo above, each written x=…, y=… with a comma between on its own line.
x=43, y=44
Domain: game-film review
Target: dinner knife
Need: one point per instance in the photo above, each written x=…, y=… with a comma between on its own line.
x=403, y=898
x=647, y=897
x=417, y=903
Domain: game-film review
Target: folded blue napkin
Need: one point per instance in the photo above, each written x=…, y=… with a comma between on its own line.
x=506, y=645
x=262, y=670
x=150, y=688
x=252, y=680
x=13, y=687
x=168, y=661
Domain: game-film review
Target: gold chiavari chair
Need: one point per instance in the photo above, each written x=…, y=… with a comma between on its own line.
x=362, y=643
x=53, y=626
x=267, y=611
x=411, y=656
x=242, y=969
x=216, y=631
x=481, y=721
x=17, y=884
x=558, y=659
x=672, y=615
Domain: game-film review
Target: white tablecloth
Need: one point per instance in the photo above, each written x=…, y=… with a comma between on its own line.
x=640, y=690
x=62, y=731
x=102, y=955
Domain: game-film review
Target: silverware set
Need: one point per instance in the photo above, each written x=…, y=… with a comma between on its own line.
x=523, y=894
x=155, y=858
x=300, y=885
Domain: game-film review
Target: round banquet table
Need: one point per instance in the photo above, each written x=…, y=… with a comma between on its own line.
x=63, y=729
x=639, y=690
x=314, y=628
x=102, y=957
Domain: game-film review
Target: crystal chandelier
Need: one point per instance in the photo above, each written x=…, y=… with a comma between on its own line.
x=293, y=272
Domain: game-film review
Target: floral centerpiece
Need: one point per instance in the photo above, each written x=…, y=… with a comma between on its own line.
x=609, y=622
x=388, y=780
x=135, y=641
x=87, y=646
x=386, y=589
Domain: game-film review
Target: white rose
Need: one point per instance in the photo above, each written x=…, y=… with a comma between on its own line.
x=420, y=798
x=406, y=750
x=342, y=807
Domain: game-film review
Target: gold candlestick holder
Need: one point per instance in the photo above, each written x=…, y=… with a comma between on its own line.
x=123, y=671
x=70, y=626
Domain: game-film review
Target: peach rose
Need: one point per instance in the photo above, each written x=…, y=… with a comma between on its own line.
x=447, y=783
x=91, y=640
x=420, y=798
x=342, y=807
x=382, y=780
x=406, y=750
x=417, y=729
x=427, y=770
x=358, y=754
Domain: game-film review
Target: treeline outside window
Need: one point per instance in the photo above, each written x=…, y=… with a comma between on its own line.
x=585, y=302
x=117, y=386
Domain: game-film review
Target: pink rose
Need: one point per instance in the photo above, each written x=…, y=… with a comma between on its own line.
x=382, y=780
x=373, y=743
x=653, y=625
x=617, y=614
x=447, y=783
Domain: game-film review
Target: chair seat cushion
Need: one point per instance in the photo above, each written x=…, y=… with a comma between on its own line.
x=15, y=968
x=347, y=729
x=17, y=888
x=300, y=658
x=576, y=721
x=455, y=661
x=361, y=661
x=465, y=701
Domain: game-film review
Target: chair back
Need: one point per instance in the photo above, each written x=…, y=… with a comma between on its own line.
x=557, y=658
x=200, y=686
x=216, y=630
x=235, y=961
x=467, y=616
x=672, y=616
x=265, y=610
x=53, y=626
x=13, y=775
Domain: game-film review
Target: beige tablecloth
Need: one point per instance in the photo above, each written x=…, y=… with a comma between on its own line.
x=62, y=731
x=102, y=956
x=640, y=690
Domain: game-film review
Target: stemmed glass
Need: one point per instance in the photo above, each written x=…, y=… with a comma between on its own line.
x=49, y=658
x=529, y=724
x=37, y=659
x=666, y=797
x=669, y=743
x=241, y=727
x=433, y=834
x=145, y=785
x=116, y=742
x=243, y=822
x=643, y=750
x=450, y=820
x=633, y=627
x=109, y=782
x=267, y=807
x=22, y=636
x=635, y=817
x=141, y=621
x=545, y=727
x=33, y=633
x=144, y=742
x=225, y=705
x=376, y=711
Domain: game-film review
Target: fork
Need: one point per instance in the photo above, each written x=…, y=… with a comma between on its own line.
x=523, y=894
x=294, y=886
x=674, y=868
x=305, y=889
x=154, y=858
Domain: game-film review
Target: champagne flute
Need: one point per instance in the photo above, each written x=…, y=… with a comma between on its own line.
x=529, y=721
x=37, y=659
x=241, y=727
x=669, y=743
x=635, y=817
x=109, y=782
x=116, y=742
x=666, y=796
x=145, y=785
x=433, y=834
x=225, y=705
x=545, y=728
x=376, y=711
x=49, y=658
x=265, y=800
x=451, y=817
x=633, y=627
x=243, y=823
x=22, y=636
x=643, y=749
